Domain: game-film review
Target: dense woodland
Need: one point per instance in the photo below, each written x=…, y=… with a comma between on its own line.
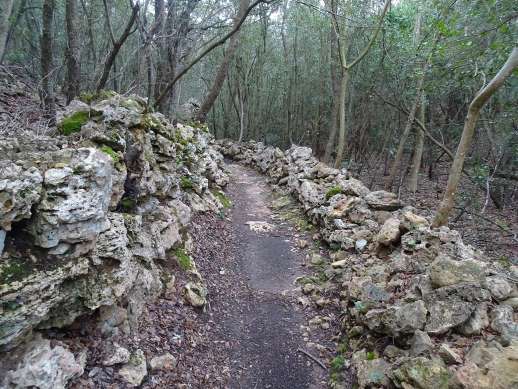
x=383, y=88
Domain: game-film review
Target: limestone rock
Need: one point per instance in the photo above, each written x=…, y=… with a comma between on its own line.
x=478, y=320
x=382, y=200
x=448, y=355
x=423, y=373
x=135, y=370
x=118, y=355
x=162, y=362
x=195, y=294
x=371, y=373
x=43, y=366
x=19, y=190
x=502, y=321
x=75, y=200
x=398, y=319
x=490, y=366
x=389, y=232
x=445, y=271
x=499, y=287
x=420, y=343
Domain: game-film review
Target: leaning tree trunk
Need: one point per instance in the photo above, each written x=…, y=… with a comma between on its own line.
x=110, y=58
x=447, y=203
x=73, y=82
x=6, y=7
x=47, y=87
x=222, y=71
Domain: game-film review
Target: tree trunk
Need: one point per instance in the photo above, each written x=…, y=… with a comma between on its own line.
x=344, y=80
x=222, y=71
x=6, y=7
x=72, y=51
x=110, y=59
x=47, y=85
x=418, y=151
x=335, y=88
x=406, y=132
x=343, y=48
x=447, y=203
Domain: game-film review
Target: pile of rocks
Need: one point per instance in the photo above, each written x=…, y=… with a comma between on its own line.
x=422, y=309
x=88, y=221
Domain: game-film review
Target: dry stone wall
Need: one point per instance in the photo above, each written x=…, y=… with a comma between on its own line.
x=87, y=222
x=422, y=308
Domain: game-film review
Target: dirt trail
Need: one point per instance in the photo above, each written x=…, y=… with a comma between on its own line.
x=266, y=323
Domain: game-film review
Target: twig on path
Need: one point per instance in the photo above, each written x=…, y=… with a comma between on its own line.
x=313, y=358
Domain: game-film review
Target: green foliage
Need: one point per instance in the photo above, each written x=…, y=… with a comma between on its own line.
x=333, y=191
x=186, y=183
x=73, y=123
x=223, y=199
x=338, y=363
x=183, y=259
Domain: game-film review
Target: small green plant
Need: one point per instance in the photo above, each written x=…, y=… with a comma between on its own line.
x=111, y=152
x=183, y=259
x=223, y=199
x=338, y=363
x=73, y=123
x=186, y=183
x=371, y=355
x=333, y=191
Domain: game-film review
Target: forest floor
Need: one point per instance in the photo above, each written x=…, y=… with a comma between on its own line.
x=255, y=331
x=495, y=231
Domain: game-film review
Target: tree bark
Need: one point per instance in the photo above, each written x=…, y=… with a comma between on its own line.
x=110, y=59
x=47, y=85
x=6, y=7
x=418, y=151
x=73, y=82
x=447, y=203
x=222, y=71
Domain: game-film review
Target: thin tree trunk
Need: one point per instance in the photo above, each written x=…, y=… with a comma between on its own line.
x=222, y=71
x=47, y=85
x=344, y=80
x=418, y=151
x=406, y=132
x=447, y=203
x=6, y=7
x=346, y=67
x=72, y=52
x=110, y=59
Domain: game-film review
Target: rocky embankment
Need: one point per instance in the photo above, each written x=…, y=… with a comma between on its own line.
x=421, y=309
x=89, y=221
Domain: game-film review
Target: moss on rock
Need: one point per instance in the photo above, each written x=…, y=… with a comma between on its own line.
x=73, y=123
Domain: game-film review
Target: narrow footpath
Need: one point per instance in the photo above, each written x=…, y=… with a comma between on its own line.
x=267, y=331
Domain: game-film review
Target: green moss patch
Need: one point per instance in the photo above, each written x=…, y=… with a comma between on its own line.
x=127, y=204
x=73, y=123
x=111, y=152
x=333, y=191
x=91, y=97
x=183, y=259
x=14, y=270
x=186, y=183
